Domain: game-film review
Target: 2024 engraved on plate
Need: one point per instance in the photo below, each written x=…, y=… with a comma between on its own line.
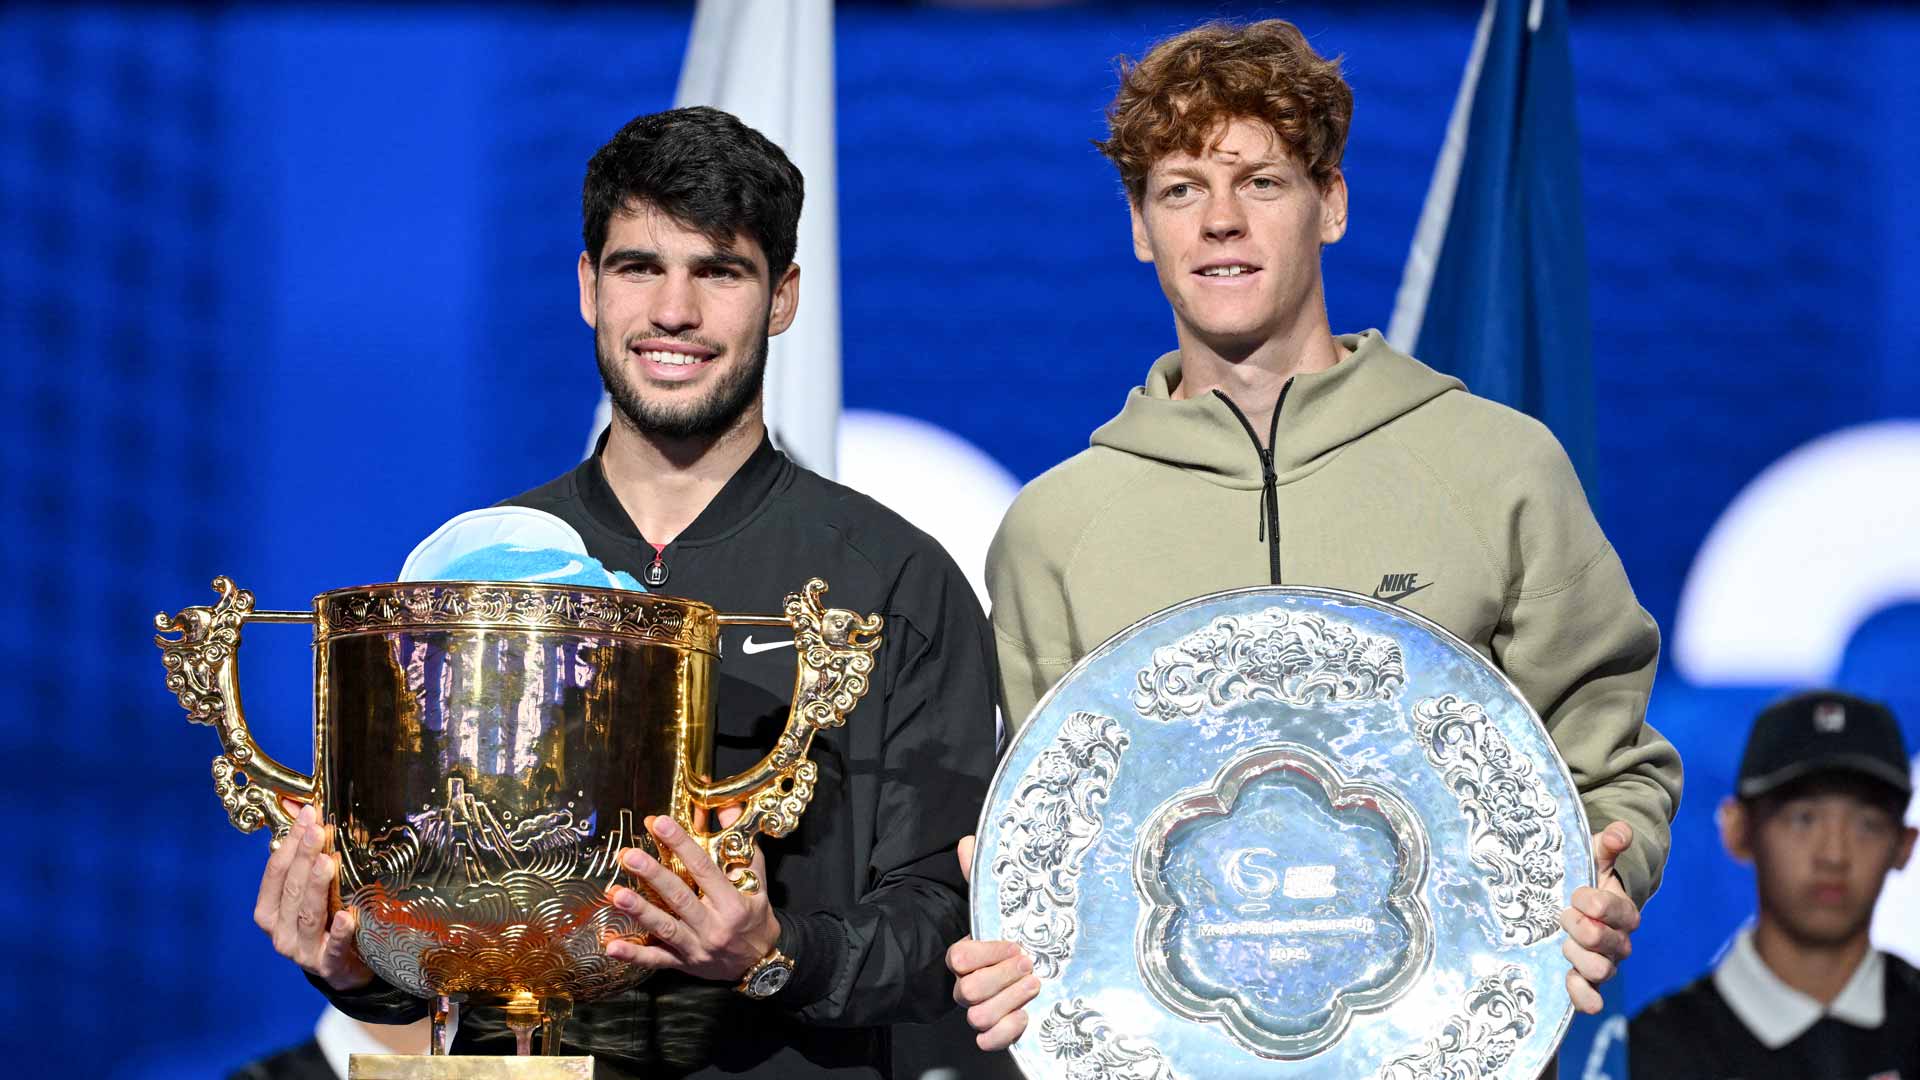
x=1284, y=832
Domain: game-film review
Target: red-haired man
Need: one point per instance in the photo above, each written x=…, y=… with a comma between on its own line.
x=1265, y=449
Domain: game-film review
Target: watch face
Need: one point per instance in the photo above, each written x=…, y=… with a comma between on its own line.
x=769, y=981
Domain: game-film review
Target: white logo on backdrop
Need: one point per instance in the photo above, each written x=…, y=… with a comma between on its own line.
x=1814, y=545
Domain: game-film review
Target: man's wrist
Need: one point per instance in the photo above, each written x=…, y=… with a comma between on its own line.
x=817, y=942
x=347, y=982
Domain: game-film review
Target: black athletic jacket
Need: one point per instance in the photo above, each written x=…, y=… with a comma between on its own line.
x=867, y=889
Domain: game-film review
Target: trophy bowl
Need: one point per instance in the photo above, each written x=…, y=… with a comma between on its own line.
x=484, y=750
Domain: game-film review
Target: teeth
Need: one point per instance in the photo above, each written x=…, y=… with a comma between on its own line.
x=1226, y=271
x=672, y=359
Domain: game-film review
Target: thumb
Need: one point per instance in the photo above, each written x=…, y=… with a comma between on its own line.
x=965, y=851
x=1609, y=844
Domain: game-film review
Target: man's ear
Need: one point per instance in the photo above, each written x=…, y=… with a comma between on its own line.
x=589, y=290
x=1736, y=829
x=1142, y=246
x=1333, y=208
x=1906, y=847
x=786, y=301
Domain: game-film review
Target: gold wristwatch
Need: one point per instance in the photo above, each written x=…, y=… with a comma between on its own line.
x=769, y=976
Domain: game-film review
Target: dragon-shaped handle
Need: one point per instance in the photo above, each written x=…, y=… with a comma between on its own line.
x=203, y=672
x=835, y=650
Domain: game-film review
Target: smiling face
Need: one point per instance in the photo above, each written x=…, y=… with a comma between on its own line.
x=681, y=324
x=1235, y=235
x=1820, y=855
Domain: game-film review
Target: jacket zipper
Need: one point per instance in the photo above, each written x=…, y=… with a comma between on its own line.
x=655, y=573
x=1269, y=492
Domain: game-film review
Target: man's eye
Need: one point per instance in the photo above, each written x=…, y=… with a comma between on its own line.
x=1263, y=183
x=1873, y=825
x=1178, y=191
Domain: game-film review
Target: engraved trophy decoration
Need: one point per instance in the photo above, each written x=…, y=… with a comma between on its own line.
x=1320, y=837
x=485, y=749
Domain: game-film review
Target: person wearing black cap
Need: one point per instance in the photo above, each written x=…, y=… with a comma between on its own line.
x=1818, y=812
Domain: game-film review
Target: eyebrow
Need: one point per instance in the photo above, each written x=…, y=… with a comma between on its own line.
x=726, y=259
x=709, y=261
x=1192, y=172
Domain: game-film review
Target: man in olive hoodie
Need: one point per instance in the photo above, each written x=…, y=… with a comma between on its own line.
x=1267, y=450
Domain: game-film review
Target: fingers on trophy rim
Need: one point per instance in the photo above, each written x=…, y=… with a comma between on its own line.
x=1591, y=967
x=1011, y=1000
x=987, y=983
x=1585, y=997
x=1004, y=1033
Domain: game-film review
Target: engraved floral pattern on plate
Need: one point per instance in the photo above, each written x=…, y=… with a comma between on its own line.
x=1049, y=823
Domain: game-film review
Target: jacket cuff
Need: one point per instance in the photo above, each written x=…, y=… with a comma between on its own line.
x=817, y=942
x=378, y=1002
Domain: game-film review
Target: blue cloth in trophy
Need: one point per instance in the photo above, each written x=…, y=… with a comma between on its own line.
x=511, y=543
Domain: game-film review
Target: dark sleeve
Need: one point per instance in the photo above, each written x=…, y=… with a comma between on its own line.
x=378, y=1002
x=883, y=961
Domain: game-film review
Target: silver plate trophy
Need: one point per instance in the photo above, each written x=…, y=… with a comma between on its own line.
x=1284, y=832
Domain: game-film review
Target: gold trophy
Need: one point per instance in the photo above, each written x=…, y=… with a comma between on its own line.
x=484, y=750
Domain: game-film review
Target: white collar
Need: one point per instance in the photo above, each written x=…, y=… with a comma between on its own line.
x=1776, y=1013
x=340, y=1037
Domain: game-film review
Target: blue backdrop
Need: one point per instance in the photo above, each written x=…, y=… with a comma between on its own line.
x=282, y=289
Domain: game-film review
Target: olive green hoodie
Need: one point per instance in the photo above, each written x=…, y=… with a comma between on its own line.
x=1390, y=480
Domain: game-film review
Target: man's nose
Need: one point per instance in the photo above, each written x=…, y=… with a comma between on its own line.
x=1225, y=218
x=675, y=307
x=1832, y=843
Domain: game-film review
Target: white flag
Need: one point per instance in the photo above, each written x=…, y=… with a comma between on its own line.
x=770, y=63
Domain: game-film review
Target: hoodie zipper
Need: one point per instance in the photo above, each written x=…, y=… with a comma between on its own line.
x=1269, y=493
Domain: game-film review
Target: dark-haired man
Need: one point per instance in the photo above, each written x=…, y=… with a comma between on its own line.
x=1266, y=450
x=690, y=221
x=1818, y=811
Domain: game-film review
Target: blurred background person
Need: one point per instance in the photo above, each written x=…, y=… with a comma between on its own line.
x=1802, y=992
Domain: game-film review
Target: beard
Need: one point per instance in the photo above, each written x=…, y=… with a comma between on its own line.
x=709, y=414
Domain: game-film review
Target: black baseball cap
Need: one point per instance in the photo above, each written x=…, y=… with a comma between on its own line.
x=1823, y=731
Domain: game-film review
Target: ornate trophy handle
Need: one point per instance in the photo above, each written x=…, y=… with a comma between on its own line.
x=203, y=672
x=834, y=650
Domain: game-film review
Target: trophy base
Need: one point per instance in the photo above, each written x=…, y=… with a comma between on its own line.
x=440, y=1067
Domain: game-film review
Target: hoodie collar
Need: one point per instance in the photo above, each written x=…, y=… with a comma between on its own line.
x=737, y=501
x=1324, y=411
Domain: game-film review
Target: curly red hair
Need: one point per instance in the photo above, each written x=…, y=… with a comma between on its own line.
x=1181, y=94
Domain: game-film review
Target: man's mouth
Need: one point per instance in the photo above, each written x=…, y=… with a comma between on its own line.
x=1227, y=270
x=666, y=358
x=671, y=359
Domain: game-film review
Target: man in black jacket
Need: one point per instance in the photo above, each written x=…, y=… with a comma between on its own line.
x=690, y=220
